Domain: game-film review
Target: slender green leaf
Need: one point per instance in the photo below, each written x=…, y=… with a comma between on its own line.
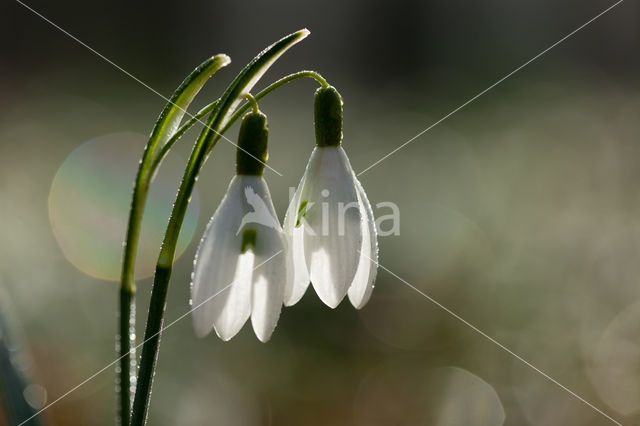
x=197, y=117
x=244, y=82
x=174, y=111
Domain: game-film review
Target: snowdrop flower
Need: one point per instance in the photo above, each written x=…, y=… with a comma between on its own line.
x=329, y=223
x=240, y=268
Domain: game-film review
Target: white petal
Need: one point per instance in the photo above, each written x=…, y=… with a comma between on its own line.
x=362, y=285
x=298, y=281
x=236, y=308
x=217, y=265
x=271, y=270
x=268, y=292
x=332, y=247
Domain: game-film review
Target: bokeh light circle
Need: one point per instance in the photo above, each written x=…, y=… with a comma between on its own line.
x=89, y=205
x=466, y=399
x=409, y=395
x=35, y=395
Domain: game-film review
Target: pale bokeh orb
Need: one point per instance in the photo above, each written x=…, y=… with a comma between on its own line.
x=405, y=394
x=89, y=205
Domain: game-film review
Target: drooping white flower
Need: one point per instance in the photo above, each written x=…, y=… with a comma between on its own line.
x=329, y=222
x=240, y=268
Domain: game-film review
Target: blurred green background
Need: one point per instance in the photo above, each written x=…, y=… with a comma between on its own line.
x=520, y=212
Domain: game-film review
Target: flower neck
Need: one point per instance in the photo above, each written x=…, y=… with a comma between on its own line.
x=328, y=116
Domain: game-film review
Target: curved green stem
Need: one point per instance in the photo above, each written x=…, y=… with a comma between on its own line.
x=209, y=136
x=237, y=114
x=273, y=86
x=165, y=126
x=252, y=101
x=180, y=132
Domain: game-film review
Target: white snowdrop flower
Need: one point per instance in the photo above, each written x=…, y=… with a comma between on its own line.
x=329, y=223
x=240, y=268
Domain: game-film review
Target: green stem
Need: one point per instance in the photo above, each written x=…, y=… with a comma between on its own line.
x=157, y=304
x=252, y=101
x=209, y=136
x=207, y=109
x=125, y=347
x=273, y=86
x=181, y=131
x=165, y=126
x=125, y=339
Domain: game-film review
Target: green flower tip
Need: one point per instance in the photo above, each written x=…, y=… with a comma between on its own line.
x=327, y=108
x=302, y=212
x=249, y=237
x=252, y=152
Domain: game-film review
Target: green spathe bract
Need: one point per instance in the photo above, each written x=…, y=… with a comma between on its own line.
x=327, y=112
x=252, y=152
